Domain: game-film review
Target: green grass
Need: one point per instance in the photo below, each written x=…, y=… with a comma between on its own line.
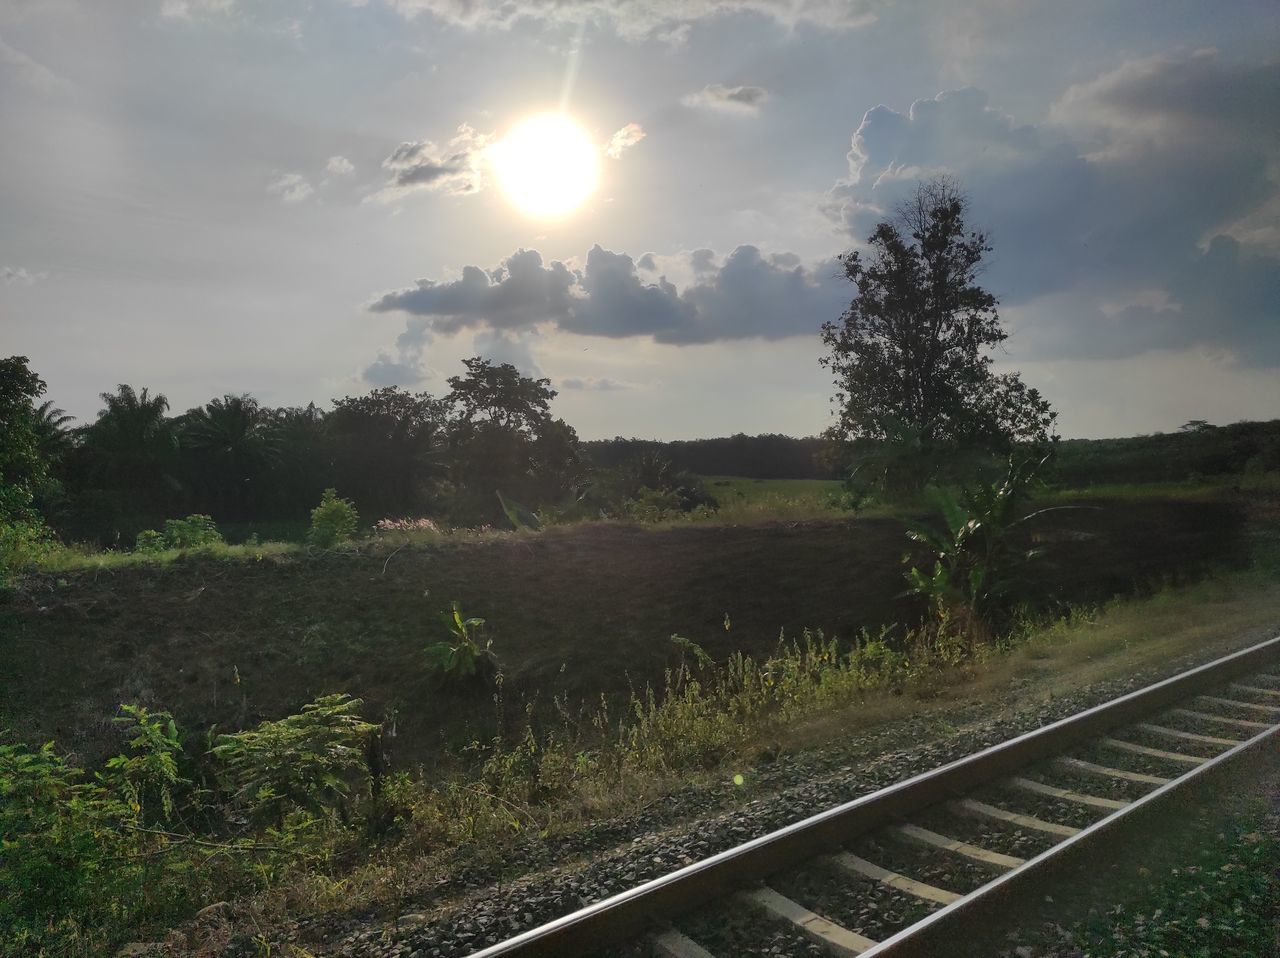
x=746, y=499
x=75, y=558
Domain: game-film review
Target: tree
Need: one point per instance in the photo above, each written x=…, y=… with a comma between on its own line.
x=500, y=395
x=22, y=469
x=386, y=448
x=132, y=445
x=231, y=446
x=911, y=354
x=504, y=439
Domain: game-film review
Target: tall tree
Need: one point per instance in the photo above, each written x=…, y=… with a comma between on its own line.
x=386, y=448
x=911, y=355
x=504, y=438
x=132, y=446
x=22, y=469
x=231, y=446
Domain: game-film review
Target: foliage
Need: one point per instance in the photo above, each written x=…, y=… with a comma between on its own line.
x=22, y=469
x=148, y=776
x=653, y=505
x=388, y=448
x=518, y=515
x=191, y=533
x=150, y=541
x=911, y=353
x=332, y=522
x=462, y=658
x=23, y=544
x=976, y=555
x=302, y=763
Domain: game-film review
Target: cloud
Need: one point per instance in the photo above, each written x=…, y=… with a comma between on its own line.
x=746, y=295
x=744, y=100
x=30, y=72
x=20, y=276
x=290, y=187
x=592, y=383
x=188, y=9
x=513, y=348
x=1148, y=177
x=623, y=140
x=638, y=19
x=458, y=167
x=339, y=166
x=385, y=371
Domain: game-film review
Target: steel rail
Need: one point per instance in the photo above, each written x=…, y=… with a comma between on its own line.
x=936, y=934
x=628, y=915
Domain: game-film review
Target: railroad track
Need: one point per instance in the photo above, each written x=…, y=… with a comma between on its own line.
x=861, y=878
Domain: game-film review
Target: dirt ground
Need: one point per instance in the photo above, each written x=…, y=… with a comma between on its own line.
x=575, y=612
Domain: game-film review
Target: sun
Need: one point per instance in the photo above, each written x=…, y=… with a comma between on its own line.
x=547, y=165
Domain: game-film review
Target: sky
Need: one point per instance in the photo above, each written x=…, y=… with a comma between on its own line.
x=306, y=199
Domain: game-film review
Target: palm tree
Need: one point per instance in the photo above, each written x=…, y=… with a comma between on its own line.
x=132, y=445
x=53, y=439
x=233, y=444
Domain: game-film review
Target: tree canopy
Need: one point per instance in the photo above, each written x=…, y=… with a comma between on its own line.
x=22, y=468
x=911, y=355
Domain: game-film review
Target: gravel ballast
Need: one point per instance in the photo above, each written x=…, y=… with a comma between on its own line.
x=670, y=833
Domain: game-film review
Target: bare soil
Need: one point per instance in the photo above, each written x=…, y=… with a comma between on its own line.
x=574, y=612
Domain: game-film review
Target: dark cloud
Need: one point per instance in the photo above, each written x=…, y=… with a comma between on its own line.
x=748, y=295
x=457, y=167
x=730, y=99
x=1121, y=195
x=519, y=294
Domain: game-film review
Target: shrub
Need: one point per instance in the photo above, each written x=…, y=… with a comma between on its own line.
x=462, y=658
x=149, y=541
x=303, y=762
x=333, y=521
x=23, y=543
x=191, y=533
x=653, y=505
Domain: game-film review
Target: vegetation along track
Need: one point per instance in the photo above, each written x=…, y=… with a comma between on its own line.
x=904, y=870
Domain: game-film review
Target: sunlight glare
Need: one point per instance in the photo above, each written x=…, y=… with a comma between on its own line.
x=547, y=165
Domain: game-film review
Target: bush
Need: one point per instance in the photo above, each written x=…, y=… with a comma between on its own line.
x=23, y=543
x=149, y=541
x=191, y=533
x=304, y=762
x=333, y=521
x=653, y=505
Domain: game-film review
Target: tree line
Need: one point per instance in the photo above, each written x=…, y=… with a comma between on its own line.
x=392, y=451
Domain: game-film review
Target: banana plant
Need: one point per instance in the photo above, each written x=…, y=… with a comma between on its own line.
x=463, y=658
x=976, y=558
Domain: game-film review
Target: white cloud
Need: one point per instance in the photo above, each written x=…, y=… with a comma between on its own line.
x=639, y=19
x=188, y=9
x=20, y=276
x=290, y=187
x=623, y=140
x=743, y=100
x=339, y=166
